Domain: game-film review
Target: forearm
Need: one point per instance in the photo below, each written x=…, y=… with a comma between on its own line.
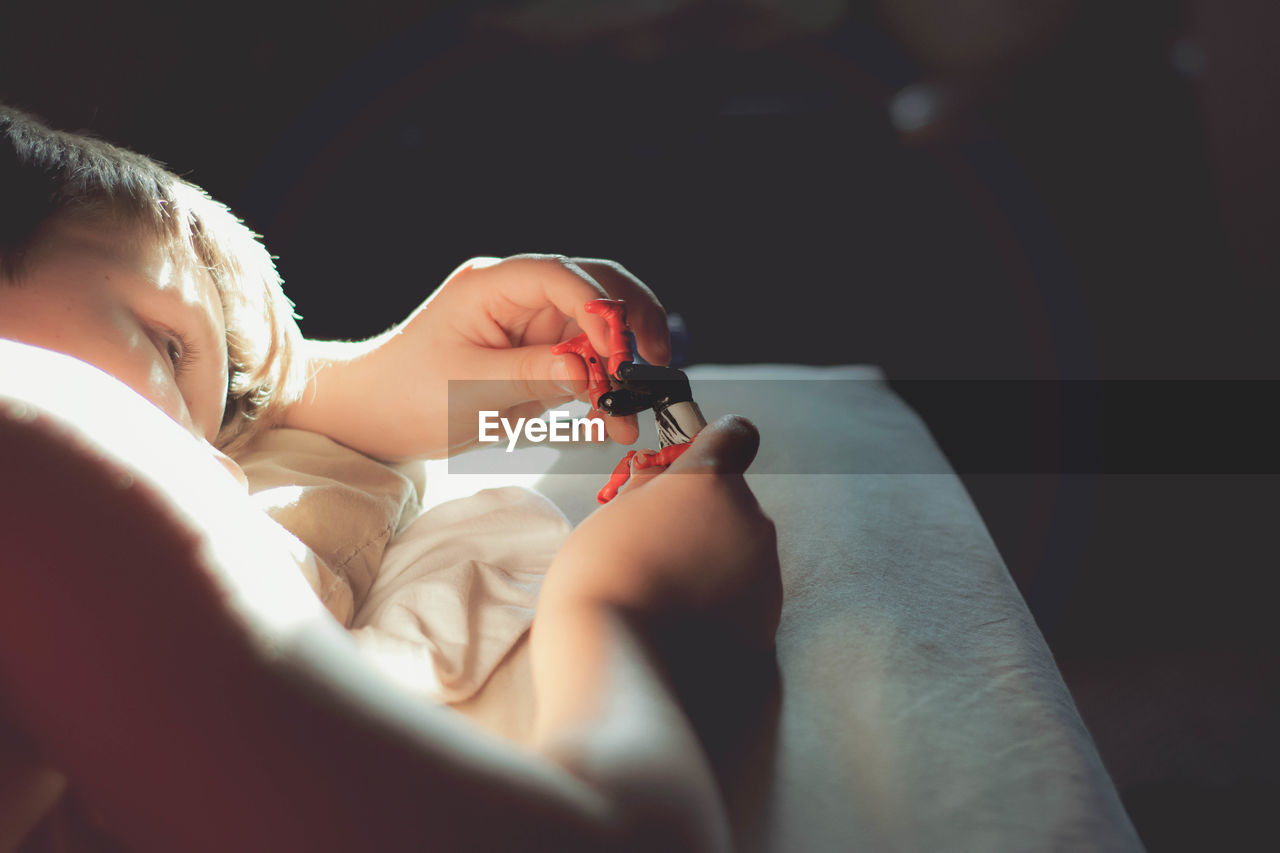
x=494, y=322
x=346, y=385
x=608, y=714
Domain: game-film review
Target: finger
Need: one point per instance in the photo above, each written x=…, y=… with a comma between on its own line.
x=520, y=374
x=523, y=374
x=548, y=326
x=622, y=428
x=725, y=446
x=645, y=314
x=533, y=281
x=524, y=411
x=475, y=263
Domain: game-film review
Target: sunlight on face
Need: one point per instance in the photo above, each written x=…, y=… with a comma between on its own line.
x=133, y=308
x=257, y=561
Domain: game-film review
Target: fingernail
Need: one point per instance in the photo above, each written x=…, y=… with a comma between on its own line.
x=561, y=376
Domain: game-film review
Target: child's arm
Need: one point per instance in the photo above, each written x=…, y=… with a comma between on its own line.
x=681, y=571
x=182, y=675
x=492, y=322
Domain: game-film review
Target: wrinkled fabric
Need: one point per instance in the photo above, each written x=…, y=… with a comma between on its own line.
x=457, y=589
x=342, y=505
x=435, y=599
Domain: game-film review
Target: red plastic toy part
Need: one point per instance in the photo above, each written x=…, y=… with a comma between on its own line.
x=600, y=377
x=614, y=312
x=663, y=457
x=621, y=473
x=640, y=459
x=597, y=379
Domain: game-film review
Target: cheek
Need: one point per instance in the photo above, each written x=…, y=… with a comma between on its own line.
x=98, y=333
x=141, y=366
x=125, y=350
x=204, y=396
x=162, y=390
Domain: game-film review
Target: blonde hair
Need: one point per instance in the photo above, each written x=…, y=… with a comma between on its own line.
x=49, y=175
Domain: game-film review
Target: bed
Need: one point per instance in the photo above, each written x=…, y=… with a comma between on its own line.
x=916, y=705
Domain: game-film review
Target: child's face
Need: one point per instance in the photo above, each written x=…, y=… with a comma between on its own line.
x=132, y=308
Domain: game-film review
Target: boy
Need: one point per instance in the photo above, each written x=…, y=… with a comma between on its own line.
x=161, y=650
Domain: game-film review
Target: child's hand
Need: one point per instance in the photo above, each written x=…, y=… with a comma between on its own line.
x=493, y=322
x=689, y=552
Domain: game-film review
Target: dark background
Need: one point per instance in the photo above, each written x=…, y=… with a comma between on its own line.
x=1048, y=190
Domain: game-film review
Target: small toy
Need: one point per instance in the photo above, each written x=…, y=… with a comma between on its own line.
x=623, y=385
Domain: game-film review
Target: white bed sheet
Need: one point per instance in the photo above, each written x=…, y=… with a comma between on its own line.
x=919, y=707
